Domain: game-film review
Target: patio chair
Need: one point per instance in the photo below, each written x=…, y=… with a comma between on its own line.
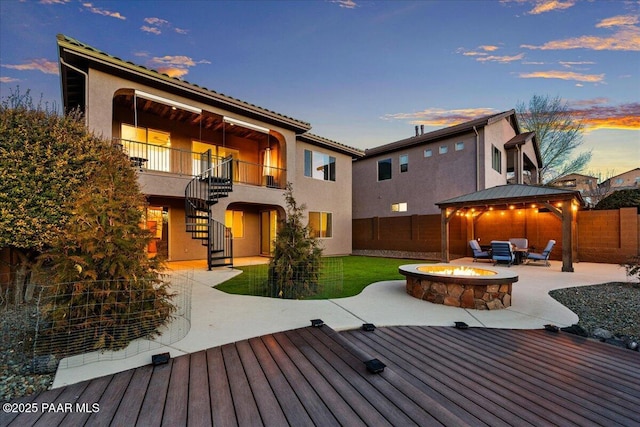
x=544, y=256
x=521, y=248
x=502, y=251
x=478, y=253
x=520, y=243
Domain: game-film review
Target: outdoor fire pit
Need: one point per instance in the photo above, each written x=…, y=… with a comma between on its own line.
x=458, y=286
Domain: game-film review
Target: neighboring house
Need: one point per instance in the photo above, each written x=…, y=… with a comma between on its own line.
x=410, y=176
x=585, y=184
x=209, y=163
x=625, y=181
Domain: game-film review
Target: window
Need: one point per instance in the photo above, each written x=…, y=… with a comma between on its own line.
x=443, y=149
x=399, y=207
x=321, y=224
x=148, y=146
x=619, y=181
x=496, y=159
x=384, y=169
x=235, y=221
x=319, y=166
x=404, y=162
x=459, y=145
x=428, y=152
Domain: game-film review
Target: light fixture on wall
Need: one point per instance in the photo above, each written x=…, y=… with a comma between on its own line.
x=246, y=125
x=169, y=102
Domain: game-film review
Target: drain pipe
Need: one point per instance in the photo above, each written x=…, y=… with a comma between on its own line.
x=86, y=90
x=477, y=159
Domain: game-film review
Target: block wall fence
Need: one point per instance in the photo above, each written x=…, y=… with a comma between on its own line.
x=610, y=236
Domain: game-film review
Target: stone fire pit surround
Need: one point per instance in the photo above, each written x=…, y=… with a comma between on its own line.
x=489, y=291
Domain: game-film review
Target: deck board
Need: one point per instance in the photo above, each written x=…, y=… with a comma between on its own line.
x=129, y=409
x=284, y=392
x=243, y=401
x=266, y=401
x=199, y=409
x=222, y=410
x=316, y=376
x=153, y=404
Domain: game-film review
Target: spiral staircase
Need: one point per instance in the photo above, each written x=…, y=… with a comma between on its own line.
x=201, y=193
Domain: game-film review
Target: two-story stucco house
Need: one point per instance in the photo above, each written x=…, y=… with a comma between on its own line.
x=409, y=176
x=213, y=167
x=396, y=186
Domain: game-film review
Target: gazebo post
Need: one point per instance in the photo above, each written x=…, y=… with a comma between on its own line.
x=444, y=235
x=567, y=236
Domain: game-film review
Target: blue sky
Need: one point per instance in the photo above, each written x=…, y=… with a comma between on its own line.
x=363, y=73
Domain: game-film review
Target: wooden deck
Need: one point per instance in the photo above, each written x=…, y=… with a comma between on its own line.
x=315, y=376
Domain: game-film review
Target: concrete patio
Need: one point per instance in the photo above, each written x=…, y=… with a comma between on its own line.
x=218, y=318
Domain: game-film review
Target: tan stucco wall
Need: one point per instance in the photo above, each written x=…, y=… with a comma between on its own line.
x=496, y=134
x=327, y=196
x=428, y=180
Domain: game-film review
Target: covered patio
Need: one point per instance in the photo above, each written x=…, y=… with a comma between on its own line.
x=492, y=204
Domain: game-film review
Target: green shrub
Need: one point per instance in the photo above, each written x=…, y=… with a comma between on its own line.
x=621, y=199
x=294, y=270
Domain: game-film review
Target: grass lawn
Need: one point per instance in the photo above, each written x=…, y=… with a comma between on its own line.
x=357, y=273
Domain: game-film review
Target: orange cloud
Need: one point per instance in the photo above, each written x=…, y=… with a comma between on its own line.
x=550, y=5
x=347, y=4
x=438, y=117
x=44, y=65
x=103, y=12
x=173, y=71
x=501, y=59
x=152, y=30
x=8, y=80
x=564, y=75
x=617, y=21
x=627, y=39
x=594, y=116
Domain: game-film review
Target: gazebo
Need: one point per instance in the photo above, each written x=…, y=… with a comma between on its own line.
x=563, y=204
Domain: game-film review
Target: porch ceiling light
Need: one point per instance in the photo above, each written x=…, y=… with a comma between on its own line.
x=246, y=125
x=169, y=102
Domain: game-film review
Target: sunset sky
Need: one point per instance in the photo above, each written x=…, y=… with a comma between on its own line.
x=363, y=73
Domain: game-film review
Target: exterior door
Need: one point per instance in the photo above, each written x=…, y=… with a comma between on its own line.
x=268, y=227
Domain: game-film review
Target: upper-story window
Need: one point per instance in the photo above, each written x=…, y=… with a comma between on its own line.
x=459, y=145
x=148, y=147
x=428, y=152
x=384, y=169
x=496, y=159
x=404, y=163
x=443, y=149
x=319, y=165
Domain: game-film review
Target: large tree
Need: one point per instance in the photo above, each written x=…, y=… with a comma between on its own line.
x=71, y=207
x=559, y=135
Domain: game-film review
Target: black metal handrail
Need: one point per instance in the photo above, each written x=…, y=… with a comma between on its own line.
x=201, y=193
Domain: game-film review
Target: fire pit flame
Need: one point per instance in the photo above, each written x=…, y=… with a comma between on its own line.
x=456, y=271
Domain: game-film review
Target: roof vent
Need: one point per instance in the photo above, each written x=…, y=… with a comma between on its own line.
x=416, y=130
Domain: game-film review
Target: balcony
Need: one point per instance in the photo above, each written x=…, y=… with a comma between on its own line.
x=175, y=161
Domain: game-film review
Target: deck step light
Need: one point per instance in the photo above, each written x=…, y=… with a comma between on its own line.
x=369, y=327
x=374, y=366
x=316, y=323
x=461, y=325
x=160, y=359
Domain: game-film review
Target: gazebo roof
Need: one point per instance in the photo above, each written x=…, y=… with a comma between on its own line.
x=509, y=194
